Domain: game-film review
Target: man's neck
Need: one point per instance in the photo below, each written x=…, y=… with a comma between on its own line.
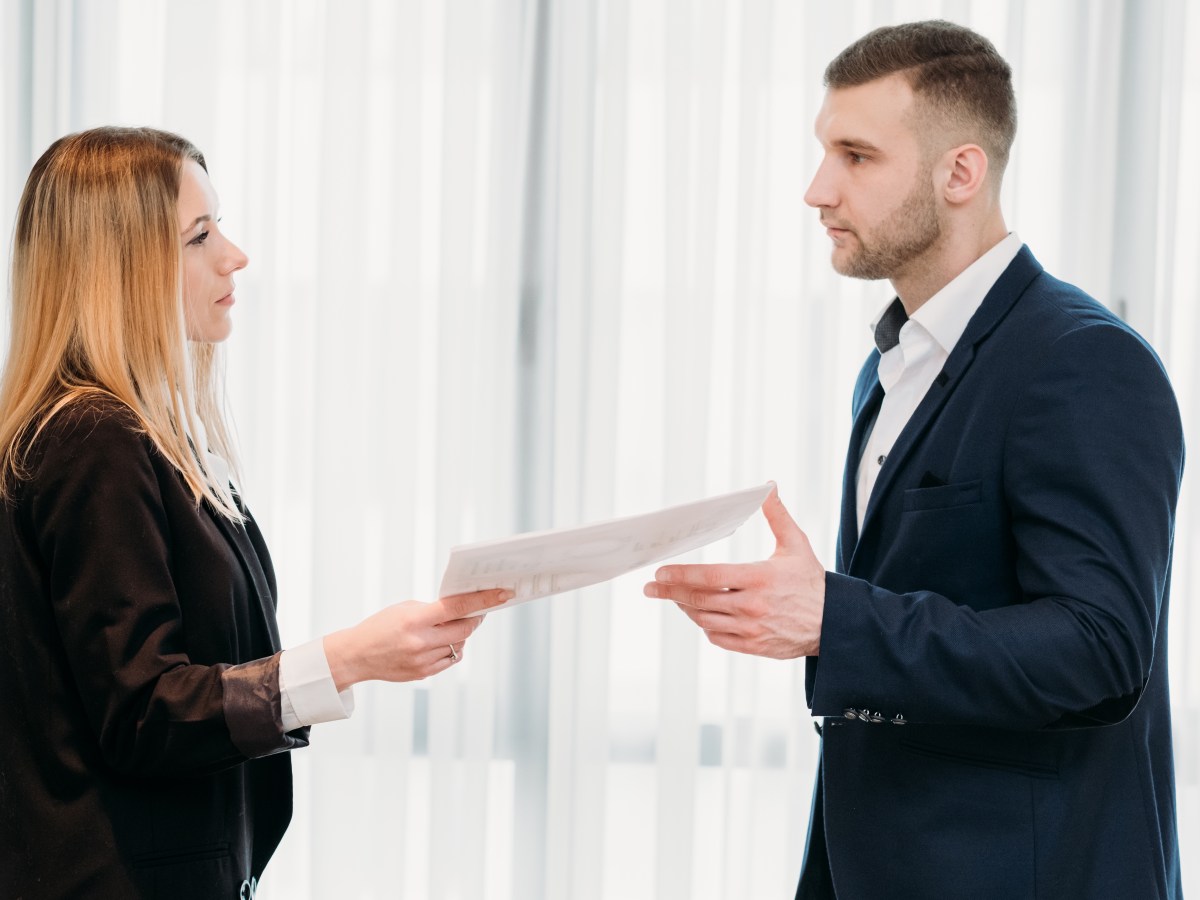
x=945, y=261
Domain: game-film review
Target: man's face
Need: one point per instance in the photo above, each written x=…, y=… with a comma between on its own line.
x=874, y=187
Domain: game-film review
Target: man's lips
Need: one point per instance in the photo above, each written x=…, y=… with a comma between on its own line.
x=835, y=230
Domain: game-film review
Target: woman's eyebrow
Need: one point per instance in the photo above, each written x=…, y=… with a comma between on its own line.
x=204, y=218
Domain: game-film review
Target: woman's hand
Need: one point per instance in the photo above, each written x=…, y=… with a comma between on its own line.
x=408, y=641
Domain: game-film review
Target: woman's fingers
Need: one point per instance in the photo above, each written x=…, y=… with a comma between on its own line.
x=453, y=632
x=446, y=642
x=460, y=606
x=410, y=640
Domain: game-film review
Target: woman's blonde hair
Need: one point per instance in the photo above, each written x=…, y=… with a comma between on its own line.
x=97, y=304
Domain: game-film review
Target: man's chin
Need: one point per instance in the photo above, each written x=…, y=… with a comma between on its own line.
x=852, y=266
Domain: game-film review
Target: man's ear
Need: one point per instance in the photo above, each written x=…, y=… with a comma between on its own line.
x=964, y=170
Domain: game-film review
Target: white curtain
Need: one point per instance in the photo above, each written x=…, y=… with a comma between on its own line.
x=526, y=263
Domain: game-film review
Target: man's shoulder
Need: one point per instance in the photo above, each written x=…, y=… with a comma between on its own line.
x=1050, y=309
x=1056, y=298
x=1055, y=327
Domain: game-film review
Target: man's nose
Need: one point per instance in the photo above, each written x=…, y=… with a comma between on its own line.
x=821, y=191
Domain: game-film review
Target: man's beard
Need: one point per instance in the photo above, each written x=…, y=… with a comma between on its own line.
x=902, y=237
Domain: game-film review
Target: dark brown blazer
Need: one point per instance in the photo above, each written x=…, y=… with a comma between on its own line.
x=141, y=746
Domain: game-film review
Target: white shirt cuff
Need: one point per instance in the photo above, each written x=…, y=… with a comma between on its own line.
x=307, y=694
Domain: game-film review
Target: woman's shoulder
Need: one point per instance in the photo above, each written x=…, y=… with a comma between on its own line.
x=84, y=426
x=89, y=413
x=88, y=449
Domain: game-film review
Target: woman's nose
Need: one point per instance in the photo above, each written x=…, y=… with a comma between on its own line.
x=235, y=259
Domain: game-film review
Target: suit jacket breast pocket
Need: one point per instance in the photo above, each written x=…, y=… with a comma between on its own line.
x=953, y=539
x=943, y=496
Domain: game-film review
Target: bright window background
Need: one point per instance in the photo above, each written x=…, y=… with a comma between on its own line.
x=524, y=264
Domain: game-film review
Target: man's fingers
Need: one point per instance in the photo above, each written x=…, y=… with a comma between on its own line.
x=460, y=606
x=732, y=606
x=733, y=642
x=718, y=622
x=697, y=598
x=716, y=577
x=788, y=535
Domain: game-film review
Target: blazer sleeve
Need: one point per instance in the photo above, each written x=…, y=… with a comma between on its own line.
x=1089, y=478
x=98, y=519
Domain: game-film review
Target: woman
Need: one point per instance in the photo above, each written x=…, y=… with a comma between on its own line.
x=145, y=707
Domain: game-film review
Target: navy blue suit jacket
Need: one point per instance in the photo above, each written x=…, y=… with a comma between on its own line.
x=993, y=662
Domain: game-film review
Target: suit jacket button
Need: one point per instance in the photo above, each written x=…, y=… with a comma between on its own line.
x=849, y=713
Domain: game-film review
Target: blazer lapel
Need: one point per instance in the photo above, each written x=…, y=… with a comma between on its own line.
x=235, y=533
x=996, y=304
x=868, y=396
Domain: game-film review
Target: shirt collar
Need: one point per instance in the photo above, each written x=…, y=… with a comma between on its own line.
x=945, y=315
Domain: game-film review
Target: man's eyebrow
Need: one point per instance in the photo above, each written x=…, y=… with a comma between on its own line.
x=856, y=144
x=198, y=220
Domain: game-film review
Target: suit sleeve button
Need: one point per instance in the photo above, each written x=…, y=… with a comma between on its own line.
x=899, y=719
x=849, y=713
x=875, y=718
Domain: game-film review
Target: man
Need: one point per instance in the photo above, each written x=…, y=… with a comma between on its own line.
x=989, y=657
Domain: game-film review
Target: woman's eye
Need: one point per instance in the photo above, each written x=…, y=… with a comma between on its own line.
x=199, y=239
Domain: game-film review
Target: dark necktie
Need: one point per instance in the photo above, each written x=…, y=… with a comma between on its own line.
x=887, y=331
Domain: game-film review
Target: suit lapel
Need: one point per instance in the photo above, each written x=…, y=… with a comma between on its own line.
x=999, y=300
x=868, y=396
x=235, y=534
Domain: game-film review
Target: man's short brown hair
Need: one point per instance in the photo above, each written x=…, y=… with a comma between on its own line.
x=959, y=75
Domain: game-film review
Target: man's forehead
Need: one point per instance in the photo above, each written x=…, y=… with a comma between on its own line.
x=873, y=111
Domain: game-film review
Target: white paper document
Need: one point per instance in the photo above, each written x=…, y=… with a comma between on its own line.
x=541, y=563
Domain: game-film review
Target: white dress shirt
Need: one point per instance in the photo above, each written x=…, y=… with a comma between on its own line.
x=907, y=370
x=307, y=693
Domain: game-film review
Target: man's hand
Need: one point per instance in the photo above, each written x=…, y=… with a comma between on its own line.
x=771, y=608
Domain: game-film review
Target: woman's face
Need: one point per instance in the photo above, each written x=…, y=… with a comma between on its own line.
x=209, y=259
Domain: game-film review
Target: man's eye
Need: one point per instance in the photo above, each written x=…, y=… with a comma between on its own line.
x=857, y=158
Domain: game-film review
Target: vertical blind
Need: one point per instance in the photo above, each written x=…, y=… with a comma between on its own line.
x=518, y=264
